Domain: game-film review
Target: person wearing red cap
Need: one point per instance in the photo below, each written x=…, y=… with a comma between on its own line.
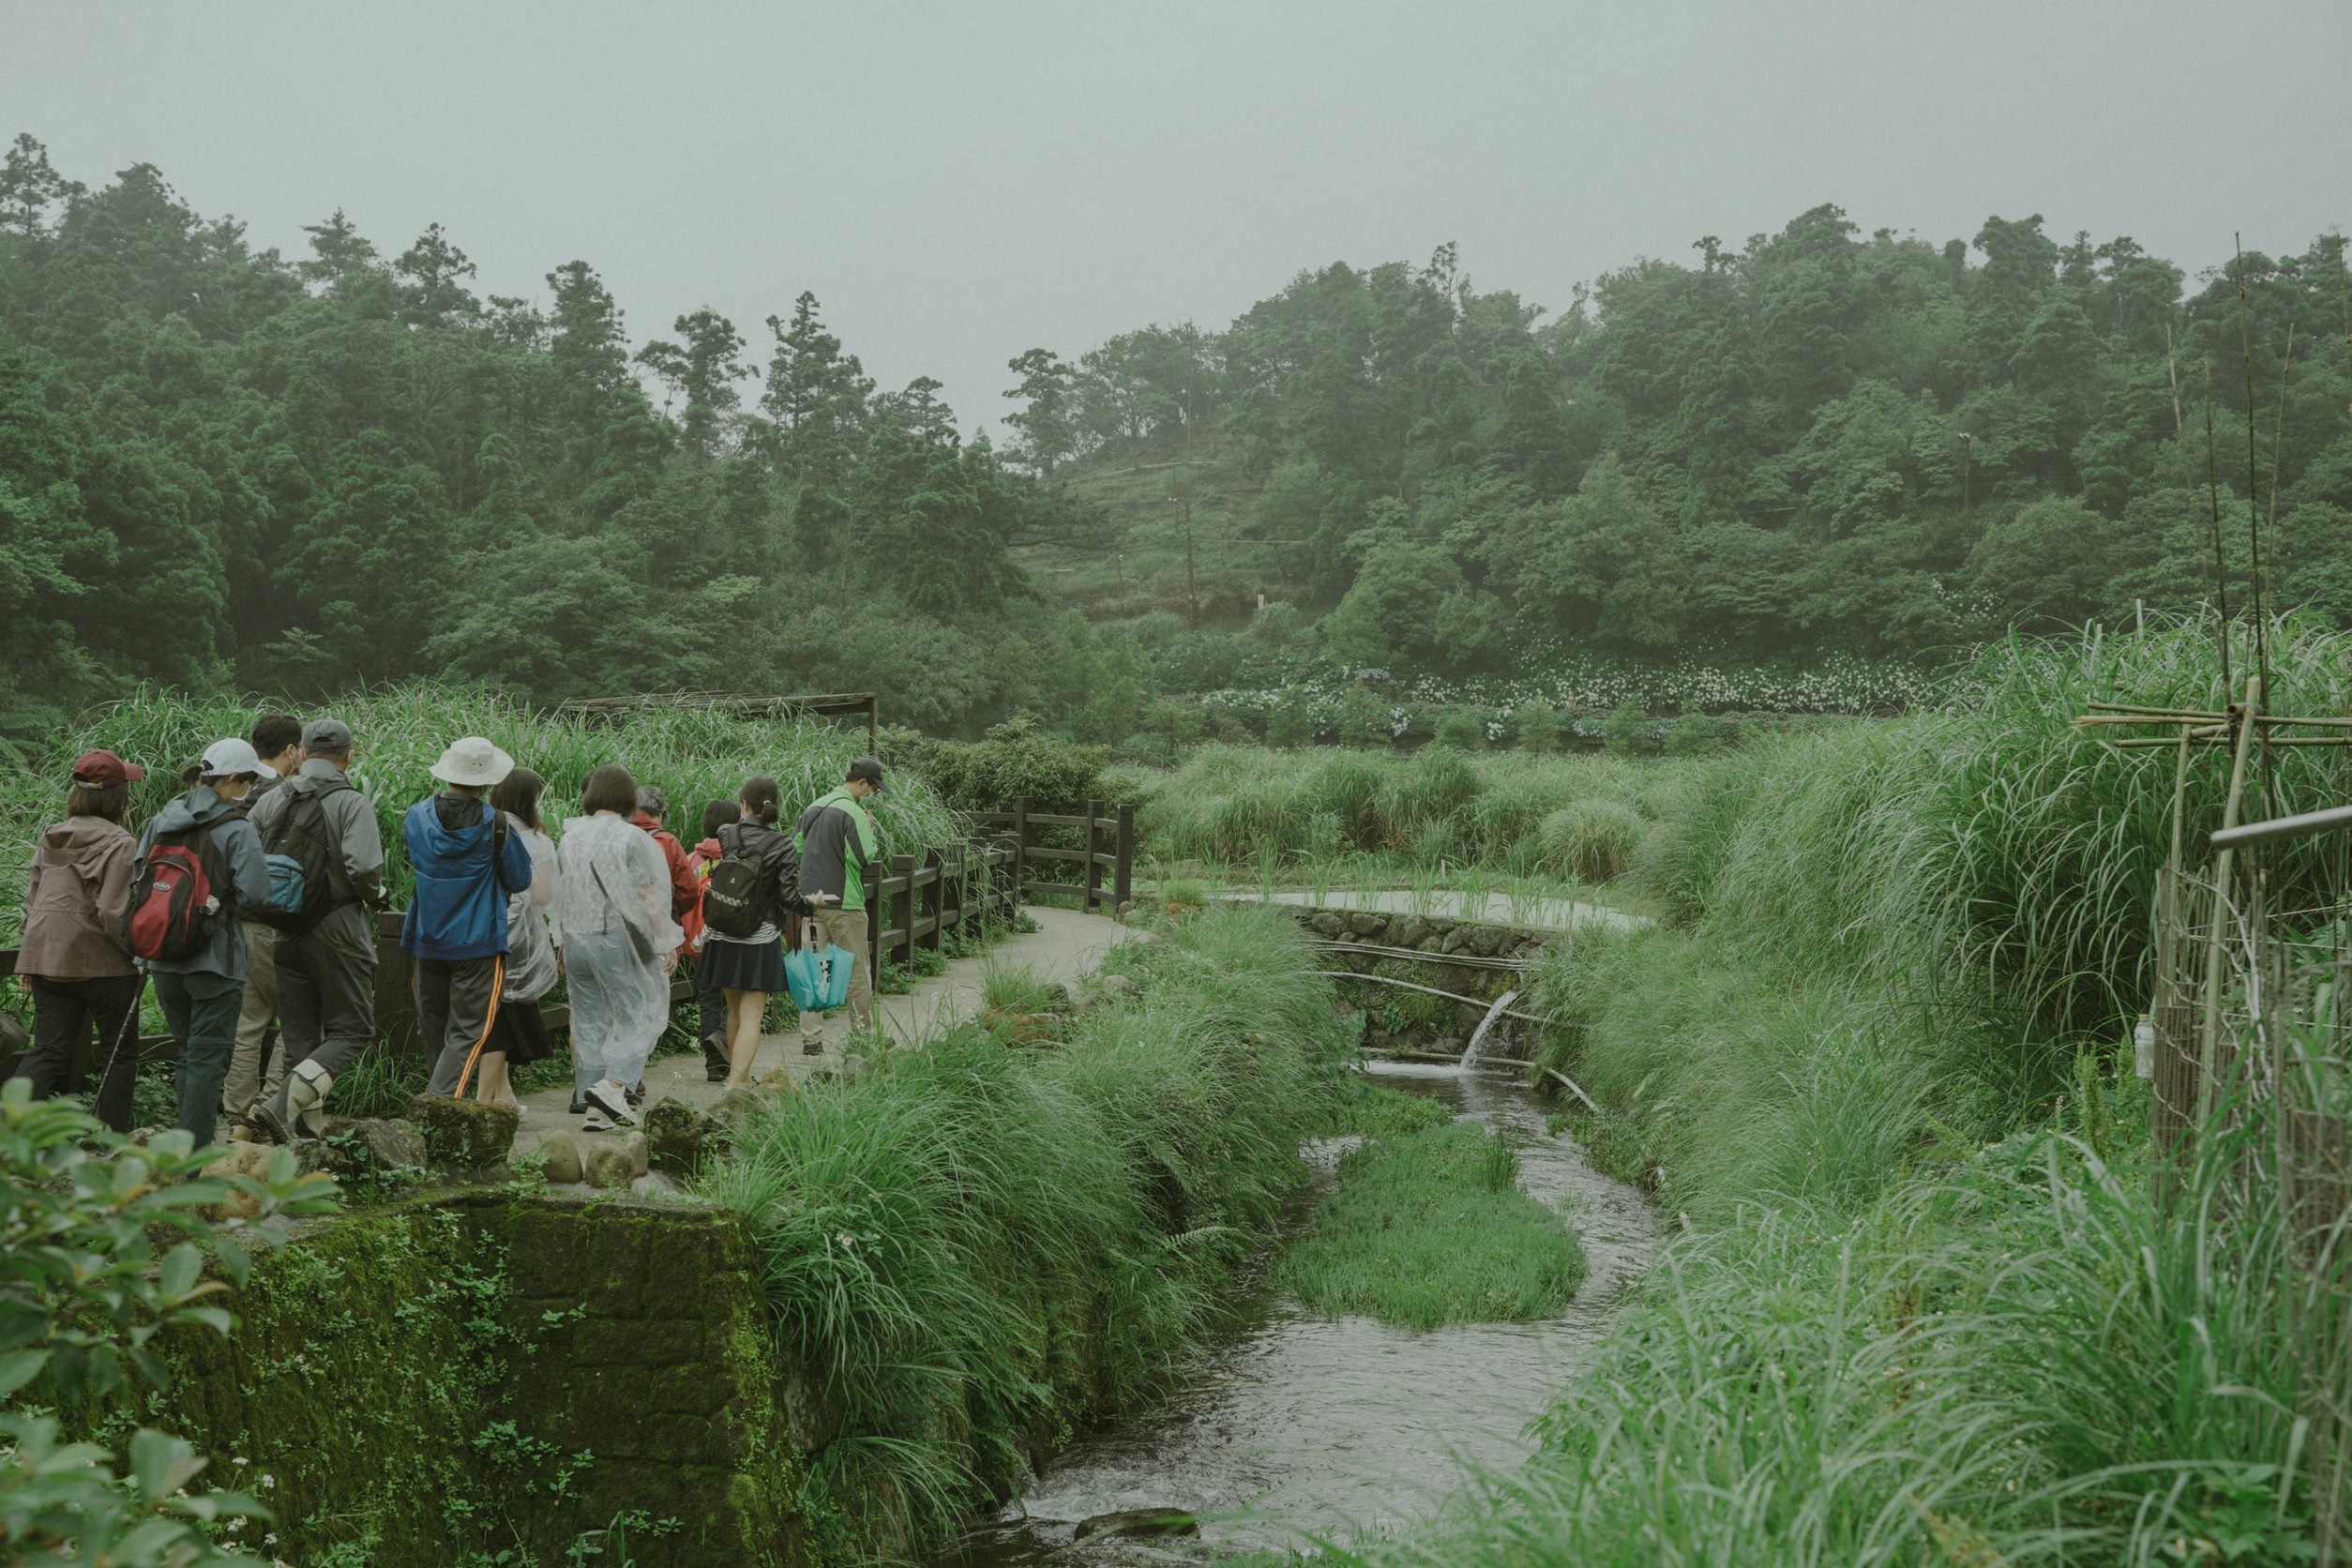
x=75, y=956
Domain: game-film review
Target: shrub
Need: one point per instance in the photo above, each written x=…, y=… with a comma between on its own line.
x=1016, y=758
x=1627, y=731
x=1539, y=726
x=1290, y=725
x=1693, y=734
x=107, y=1245
x=1275, y=623
x=1461, y=729
x=1592, y=840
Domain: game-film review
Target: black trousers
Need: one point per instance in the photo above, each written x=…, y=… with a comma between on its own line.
x=66, y=1013
x=712, y=1003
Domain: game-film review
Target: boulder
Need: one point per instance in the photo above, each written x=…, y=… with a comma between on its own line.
x=561, y=1149
x=1116, y=987
x=680, y=1139
x=739, y=1102
x=640, y=1151
x=243, y=1159
x=1366, y=924
x=1140, y=1523
x=1484, y=941
x=389, y=1143
x=1328, y=924
x=463, y=1135
x=1455, y=941
x=609, y=1166
x=1408, y=930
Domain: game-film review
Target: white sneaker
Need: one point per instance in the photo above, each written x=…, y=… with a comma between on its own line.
x=594, y=1121
x=612, y=1099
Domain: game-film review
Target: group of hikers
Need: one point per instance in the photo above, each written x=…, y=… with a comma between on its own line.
x=250, y=901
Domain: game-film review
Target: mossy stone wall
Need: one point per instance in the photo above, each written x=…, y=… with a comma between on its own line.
x=1401, y=1020
x=481, y=1377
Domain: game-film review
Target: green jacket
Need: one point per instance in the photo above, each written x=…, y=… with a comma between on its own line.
x=838, y=841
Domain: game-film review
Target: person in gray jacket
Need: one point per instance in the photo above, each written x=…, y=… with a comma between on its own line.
x=202, y=993
x=254, y=1070
x=326, y=975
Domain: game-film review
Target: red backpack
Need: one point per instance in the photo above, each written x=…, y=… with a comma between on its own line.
x=173, y=902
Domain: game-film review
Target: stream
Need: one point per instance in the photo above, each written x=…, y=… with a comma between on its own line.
x=1298, y=1427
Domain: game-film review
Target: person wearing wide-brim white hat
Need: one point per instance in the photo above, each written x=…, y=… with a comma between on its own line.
x=473, y=764
x=468, y=863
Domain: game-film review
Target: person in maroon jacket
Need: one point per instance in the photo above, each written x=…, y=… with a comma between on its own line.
x=76, y=960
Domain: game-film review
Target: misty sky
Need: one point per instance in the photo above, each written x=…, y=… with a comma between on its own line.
x=960, y=183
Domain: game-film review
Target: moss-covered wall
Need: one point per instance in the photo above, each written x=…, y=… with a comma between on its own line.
x=483, y=1377
x=1401, y=1020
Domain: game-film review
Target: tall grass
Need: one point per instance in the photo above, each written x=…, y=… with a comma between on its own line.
x=1248, y=807
x=1910, y=1322
x=972, y=1248
x=1429, y=1228
x=693, y=754
x=2025, y=1360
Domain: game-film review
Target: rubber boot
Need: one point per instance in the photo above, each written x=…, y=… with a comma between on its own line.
x=306, y=1098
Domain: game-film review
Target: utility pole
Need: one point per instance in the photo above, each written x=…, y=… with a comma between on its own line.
x=1968, y=450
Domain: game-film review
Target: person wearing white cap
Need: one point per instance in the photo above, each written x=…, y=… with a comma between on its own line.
x=468, y=860
x=203, y=991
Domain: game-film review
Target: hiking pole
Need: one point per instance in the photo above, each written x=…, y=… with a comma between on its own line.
x=126, y=1030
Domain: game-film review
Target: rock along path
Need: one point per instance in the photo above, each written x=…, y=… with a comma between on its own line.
x=1066, y=948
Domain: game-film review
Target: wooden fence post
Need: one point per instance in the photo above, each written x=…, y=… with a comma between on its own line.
x=1020, y=849
x=1094, y=881
x=875, y=907
x=935, y=899
x=1123, y=876
x=902, y=867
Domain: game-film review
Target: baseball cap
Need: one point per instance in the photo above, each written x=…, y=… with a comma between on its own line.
x=104, y=769
x=868, y=768
x=226, y=759
x=326, y=735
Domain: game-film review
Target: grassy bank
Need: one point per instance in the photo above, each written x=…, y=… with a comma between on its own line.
x=1248, y=807
x=1924, y=1309
x=694, y=755
x=1430, y=1228
x=975, y=1247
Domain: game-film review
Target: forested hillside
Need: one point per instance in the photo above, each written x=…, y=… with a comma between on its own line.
x=1816, y=439
x=220, y=466
x=227, y=468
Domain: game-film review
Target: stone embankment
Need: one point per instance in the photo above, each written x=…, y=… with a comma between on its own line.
x=1468, y=958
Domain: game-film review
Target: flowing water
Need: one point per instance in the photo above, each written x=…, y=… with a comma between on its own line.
x=1299, y=1428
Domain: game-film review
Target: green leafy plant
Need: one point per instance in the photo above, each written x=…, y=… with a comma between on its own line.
x=105, y=1244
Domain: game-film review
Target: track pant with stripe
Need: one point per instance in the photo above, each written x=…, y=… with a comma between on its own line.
x=455, y=1000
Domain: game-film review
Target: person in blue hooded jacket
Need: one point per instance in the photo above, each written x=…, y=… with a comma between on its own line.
x=468, y=863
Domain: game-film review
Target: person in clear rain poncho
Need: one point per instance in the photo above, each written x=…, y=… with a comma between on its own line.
x=620, y=945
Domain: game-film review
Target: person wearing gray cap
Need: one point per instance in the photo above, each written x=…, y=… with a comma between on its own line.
x=326, y=952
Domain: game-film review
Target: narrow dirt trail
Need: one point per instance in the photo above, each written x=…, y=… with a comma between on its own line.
x=1066, y=948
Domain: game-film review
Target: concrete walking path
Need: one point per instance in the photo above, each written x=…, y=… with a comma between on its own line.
x=1066, y=948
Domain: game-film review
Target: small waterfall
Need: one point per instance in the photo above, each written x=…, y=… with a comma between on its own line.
x=1478, y=1036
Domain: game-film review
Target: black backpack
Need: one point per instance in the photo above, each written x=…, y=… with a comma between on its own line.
x=735, y=899
x=303, y=856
